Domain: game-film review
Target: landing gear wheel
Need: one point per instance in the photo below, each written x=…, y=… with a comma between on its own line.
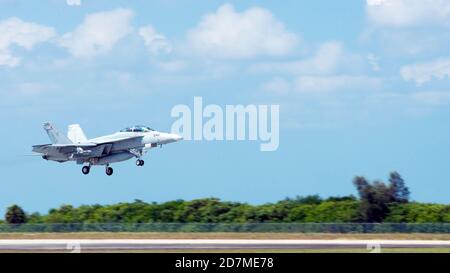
x=109, y=171
x=139, y=162
x=85, y=169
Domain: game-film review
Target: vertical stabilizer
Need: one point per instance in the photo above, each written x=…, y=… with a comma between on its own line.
x=54, y=135
x=76, y=134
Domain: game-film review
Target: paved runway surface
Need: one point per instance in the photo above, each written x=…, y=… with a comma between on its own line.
x=123, y=244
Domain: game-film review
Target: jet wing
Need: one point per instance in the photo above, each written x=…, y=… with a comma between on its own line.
x=125, y=143
x=96, y=148
x=62, y=148
x=82, y=145
x=115, y=140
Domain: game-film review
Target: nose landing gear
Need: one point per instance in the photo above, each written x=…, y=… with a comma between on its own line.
x=140, y=162
x=109, y=171
x=85, y=170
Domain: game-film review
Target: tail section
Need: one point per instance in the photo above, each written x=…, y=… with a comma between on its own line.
x=76, y=134
x=54, y=135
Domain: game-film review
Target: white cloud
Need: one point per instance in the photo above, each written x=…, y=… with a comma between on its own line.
x=320, y=84
x=305, y=84
x=98, y=33
x=408, y=13
x=230, y=34
x=6, y=58
x=424, y=72
x=373, y=61
x=325, y=61
x=410, y=100
x=34, y=88
x=407, y=27
x=432, y=98
x=329, y=69
x=156, y=42
x=172, y=66
x=14, y=31
x=277, y=85
x=73, y=2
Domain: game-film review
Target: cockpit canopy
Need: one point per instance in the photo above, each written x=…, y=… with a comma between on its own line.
x=137, y=128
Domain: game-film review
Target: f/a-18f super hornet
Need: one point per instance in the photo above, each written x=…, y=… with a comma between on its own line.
x=128, y=143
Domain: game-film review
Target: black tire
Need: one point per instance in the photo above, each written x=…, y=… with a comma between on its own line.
x=139, y=162
x=85, y=170
x=109, y=171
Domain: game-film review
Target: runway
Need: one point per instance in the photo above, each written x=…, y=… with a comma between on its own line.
x=175, y=244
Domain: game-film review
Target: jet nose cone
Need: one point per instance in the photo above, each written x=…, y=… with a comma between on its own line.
x=165, y=138
x=177, y=137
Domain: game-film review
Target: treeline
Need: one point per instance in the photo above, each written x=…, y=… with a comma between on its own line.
x=376, y=202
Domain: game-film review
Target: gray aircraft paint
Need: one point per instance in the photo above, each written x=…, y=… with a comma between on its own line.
x=131, y=142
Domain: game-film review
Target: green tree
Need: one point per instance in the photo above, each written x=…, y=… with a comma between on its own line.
x=377, y=198
x=15, y=215
x=333, y=212
x=374, y=200
x=419, y=213
x=399, y=191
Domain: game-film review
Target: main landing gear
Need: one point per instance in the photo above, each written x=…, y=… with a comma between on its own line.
x=86, y=169
x=140, y=162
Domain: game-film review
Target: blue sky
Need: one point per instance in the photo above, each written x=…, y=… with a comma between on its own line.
x=362, y=87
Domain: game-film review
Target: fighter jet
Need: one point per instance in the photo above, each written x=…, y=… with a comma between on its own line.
x=128, y=143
